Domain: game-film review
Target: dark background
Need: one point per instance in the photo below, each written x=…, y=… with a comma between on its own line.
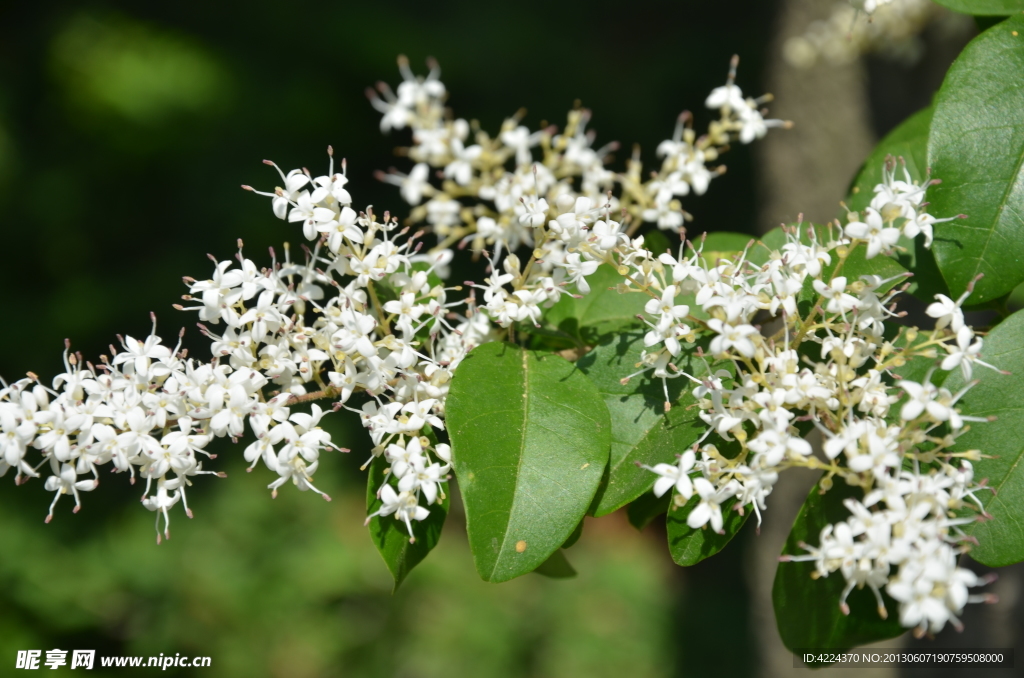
x=125, y=132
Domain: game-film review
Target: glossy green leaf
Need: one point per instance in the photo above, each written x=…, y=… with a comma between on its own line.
x=927, y=281
x=557, y=566
x=658, y=243
x=1000, y=540
x=645, y=508
x=910, y=142
x=642, y=432
x=761, y=251
x=723, y=245
x=575, y=536
x=772, y=240
x=530, y=437
x=689, y=546
x=725, y=241
x=602, y=311
x=807, y=610
x=916, y=368
x=856, y=265
x=606, y=310
x=391, y=537
x=385, y=292
x=986, y=22
x=985, y=7
x=976, y=148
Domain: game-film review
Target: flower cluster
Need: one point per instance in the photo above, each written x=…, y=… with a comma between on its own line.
x=791, y=342
x=147, y=407
x=365, y=311
x=830, y=367
x=378, y=323
x=496, y=194
x=892, y=28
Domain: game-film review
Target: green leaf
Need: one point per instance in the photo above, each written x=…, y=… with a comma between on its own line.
x=574, y=537
x=557, y=566
x=807, y=610
x=1000, y=540
x=985, y=7
x=910, y=142
x=530, y=437
x=605, y=310
x=723, y=245
x=385, y=291
x=856, y=265
x=689, y=546
x=391, y=536
x=658, y=243
x=927, y=280
x=976, y=148
x=773, y=240
x=642, y=432
x=601, y=311
x=646, y=508
x=726, y=241
x=917, y=367
x=986, y=22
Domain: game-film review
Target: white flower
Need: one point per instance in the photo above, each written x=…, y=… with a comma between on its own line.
x=728, y=95
x=573, y=219
x=168, y=493
x=926, y=397
x=66, y=482
x=710, y=507
x=343, y=226
x=312, y=215
x=674, y=475
x=461, y=168
x=141, y=354
x=403, y=458
x=879, y=238
x=731, y=336
x=947, y=312
x=578, y=269
x=334, y=186
x=443, y=211
x=774, y=446
x=605, y=234
x=422, y=478
x=533, y=211
x=294, y=182
x=665, y=308
x=754, y=125
x=965, y=353
x=404, y=505
x=838, y=301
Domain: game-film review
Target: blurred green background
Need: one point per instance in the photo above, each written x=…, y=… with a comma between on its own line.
x=125, y=132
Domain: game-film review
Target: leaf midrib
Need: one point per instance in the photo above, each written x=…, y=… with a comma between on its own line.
x=997, y=218
x=1010, y=185
x=1016, y=462
x=519, y=465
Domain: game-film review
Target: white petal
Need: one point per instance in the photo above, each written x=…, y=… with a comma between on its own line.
x=699, y=516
